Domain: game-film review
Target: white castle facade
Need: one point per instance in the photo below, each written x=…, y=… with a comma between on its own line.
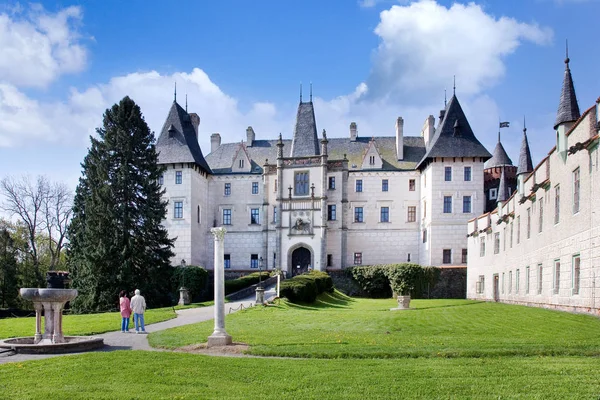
x=541, y=245
x=324, y=203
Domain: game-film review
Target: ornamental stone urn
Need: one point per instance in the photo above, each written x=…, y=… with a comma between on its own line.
x=404, y=302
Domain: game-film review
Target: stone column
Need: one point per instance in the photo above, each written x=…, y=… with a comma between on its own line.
x=38, y=322
x=219, y=337
x=57, y=336
x=48, y=323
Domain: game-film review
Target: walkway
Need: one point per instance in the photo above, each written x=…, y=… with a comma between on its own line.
x=132, y=341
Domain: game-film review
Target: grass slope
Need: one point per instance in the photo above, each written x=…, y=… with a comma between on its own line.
x=341, y=327
x=159, y=375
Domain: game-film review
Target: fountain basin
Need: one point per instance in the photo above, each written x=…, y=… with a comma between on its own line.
x=71, y=344
x=48, y=295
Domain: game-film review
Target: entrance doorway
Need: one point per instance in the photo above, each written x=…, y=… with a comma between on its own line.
x=496, y=291
x=300, y=261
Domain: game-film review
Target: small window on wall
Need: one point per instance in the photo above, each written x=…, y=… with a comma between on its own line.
x=254, y=216
x=411, y=185
x=227, y=216
x=241, y=164
x=301, y=183
x=358, y=214
x=463, y=258
x=329, y=260
x=384, y=185
x=178, y=210
x=412, y=214
x=331, y=183
x=385, y=214
x=576, y=274
x=253, y=261
x=178, y=177
x=556, y=276
x=359, y=185
x=424, y=235
x=331, y=212
x=448, y=174
x=466, y=204
x=371, y=160
x=447, y=256
x=275, y=214
x=227, y=190
x=540, y=279
x=576, y=187
x=493, y=194
x=254, y=187
x=447, y=204
x=198, y=214
x=467, y=174
x=227, y=260
x=357, y=258
x=161, y=180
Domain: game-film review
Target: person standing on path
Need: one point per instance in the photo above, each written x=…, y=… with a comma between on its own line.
x=138, y=306
x=125, y=307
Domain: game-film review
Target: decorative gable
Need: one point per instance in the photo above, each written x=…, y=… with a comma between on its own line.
x=372, y=158
x=241, y=160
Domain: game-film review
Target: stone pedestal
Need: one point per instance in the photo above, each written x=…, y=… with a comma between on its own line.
x=219, y=337
x=184, y=297
x=403, y=303
x=260, y=295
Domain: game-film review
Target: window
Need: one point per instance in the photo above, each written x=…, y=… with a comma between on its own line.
x=331, y=183
x=384, y=185
x=482, y=246
x=274, y=215
x=371, y=160
x=253, y=261
x=227, y=260
x=227, y=191
x=178, y=177
x=517, y=279
x=540, y=276
x=480, y=285
x=541, y=216
x=467, y=204
x=528, y=222
x=424, y=235
x=359, y=185
x=161, y=180
x=493, y=194
x=385, y=214
x=178, y=211
x=357, y=258
x=511, y=235
x=448, y=174
x=358, y=214
x=518, y=229
x=576, y=274
x=227, y=216
x=463, y=258
x=329, y=260
x=576, y=191
x=424, y=208
x=447, y=204
x=447, y=256
x=254, y=187
x=275, y=187
x=254, y=216
x=496, y=242
x=241, y=164
x=198, y=214
x=331, y=212
x=509, y=281
x=556, y=276
x=411, y=185
x=301, y=183
x=527, y=273
x=412, y=214
x=467, y=174
x=557, y=204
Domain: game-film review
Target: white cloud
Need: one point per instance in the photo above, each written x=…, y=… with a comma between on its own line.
x=424, y=44
x=36, y=47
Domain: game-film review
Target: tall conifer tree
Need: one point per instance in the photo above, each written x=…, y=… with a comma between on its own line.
x=116, y=238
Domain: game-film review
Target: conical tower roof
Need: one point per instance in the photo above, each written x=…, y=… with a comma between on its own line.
x=178, y=142
x=568, y=109
x=499, y=158
x=305, y=141
x=525, y=164
x=503, y=187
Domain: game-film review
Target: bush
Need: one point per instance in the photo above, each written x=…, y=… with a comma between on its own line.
x=306, y=287
x=404, y=278
x=373, y=280
x=234, y=285
x=195, y=280
x=376, y=280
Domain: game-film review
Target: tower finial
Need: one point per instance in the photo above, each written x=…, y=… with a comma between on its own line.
x=524, y=126
x=175, y=94
x=186, y=102
x=567, y=52
x=454, y=87
x=311, y=92
x=300, y=92
x=444, y=97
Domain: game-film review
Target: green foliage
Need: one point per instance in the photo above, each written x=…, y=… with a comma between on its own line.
x=404, y=278
x=376, y=282
x=234, y=285
x=373, y=280
x=193, y=277
x=306, y=287
x=9, y=289
x=116, y=237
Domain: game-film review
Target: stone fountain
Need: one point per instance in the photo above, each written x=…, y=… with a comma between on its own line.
x=51, y=301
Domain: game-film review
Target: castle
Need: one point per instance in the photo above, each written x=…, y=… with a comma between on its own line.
x=323, y=203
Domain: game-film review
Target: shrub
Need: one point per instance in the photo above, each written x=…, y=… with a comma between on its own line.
x=234, y=285
x=373, y=280
x=323, y=281
x=404, y=278
x=306, y=287
x=195, y=280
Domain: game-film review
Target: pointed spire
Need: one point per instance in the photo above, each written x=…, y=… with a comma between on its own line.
x=568, y=109
x=503, y=188
x=305, y=141
x=311, y=92
x=445, y=102
x=525, y=163
x=300, y=92
x=175, y=94
x=498, y=135
x=186, y=103
x=454, y=86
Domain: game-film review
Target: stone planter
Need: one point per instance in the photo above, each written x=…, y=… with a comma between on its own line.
x=404, y=301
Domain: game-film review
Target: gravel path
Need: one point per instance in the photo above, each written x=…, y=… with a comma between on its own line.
x=131, y=341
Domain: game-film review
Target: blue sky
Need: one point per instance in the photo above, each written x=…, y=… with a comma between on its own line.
x=63, y=63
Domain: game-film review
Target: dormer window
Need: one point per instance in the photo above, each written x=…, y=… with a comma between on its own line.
x=241, y=164
x=371, y=160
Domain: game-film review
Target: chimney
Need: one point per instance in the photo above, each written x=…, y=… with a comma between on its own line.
x=442, y=114
x=428, y=129
x=215, y=142
x=195, y=122
x=353, y=132
x=400, y=138
x=250, y=135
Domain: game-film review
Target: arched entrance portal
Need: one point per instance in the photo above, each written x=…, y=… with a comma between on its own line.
x=300, y=260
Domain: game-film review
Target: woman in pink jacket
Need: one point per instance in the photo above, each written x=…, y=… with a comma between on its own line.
x=125, y=311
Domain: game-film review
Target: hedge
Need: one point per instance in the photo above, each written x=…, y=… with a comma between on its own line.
x=234, y=285
x=306, y=287
x=193, y=277
x=374, y=279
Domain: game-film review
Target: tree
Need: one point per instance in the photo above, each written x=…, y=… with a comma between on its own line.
x=116, y=237
x=8, y=270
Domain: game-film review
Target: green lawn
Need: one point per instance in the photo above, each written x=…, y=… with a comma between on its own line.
x=160, y=375
x=342, y=327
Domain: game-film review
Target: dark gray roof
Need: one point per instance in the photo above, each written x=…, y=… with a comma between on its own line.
x=568, y=109
x=499, y=158
x=305, y=141
x=503, y=188
x=178, y=142
x=525, y=164
x=221, y=159
x=454, y=137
